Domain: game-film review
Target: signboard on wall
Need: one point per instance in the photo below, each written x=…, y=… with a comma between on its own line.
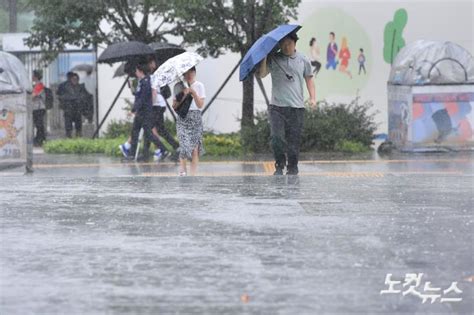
x=443, y=114
x=14, y=130
x=399, y=114
x=427, y=116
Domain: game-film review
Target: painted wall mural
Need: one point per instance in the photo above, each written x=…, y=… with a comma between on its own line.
x=393, y=35
x=442, y=117
x=10, y=146
x=399, y=114
x=429, y=116
x=340, y=52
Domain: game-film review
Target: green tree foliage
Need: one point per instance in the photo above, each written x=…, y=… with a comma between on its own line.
x=12, y=9
x=393, y=39
x=221, y=25
x=92, y=22
x=214, y=26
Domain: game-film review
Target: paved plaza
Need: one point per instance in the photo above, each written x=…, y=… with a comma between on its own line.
x=92, y=235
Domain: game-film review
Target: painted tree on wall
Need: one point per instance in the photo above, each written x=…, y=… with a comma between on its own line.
x=393, y=39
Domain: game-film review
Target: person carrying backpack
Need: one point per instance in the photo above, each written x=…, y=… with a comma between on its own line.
x=39, y=108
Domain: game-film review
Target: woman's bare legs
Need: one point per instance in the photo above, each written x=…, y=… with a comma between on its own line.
x=195, y=161
x=182, y=166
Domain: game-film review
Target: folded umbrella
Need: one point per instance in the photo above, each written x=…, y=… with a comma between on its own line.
x=172, y=70
x=125, y=51
x=262, y=47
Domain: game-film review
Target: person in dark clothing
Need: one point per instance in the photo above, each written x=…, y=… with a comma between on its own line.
x=39, y=108
x=71, y=95
x=142, y=108
x=159, y=107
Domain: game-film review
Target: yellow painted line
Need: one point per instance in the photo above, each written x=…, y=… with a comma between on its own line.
x=386, y=161
x=268, y=165
x=428, y=172
x=223, y=174
x=354, y=174
x=304, y=174
x=90, y=165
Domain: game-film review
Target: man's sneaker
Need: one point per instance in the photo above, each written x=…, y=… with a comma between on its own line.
x=182, y=174
x=124, y=150
x=159, y=155
x=278, y=171
x=292, y=171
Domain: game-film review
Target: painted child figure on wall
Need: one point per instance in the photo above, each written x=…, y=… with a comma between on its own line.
x=344, y=56
x=361, y=59
x=331, y=52
x=315, y=55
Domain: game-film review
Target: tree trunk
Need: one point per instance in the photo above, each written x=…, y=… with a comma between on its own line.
x=13, y=16
x=247, y=102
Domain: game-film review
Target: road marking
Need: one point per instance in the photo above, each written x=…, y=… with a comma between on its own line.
x=355, y=174
x=302, y=174
x=268, y=165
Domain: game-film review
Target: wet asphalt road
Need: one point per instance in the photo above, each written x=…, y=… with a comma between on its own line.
x=99, y=237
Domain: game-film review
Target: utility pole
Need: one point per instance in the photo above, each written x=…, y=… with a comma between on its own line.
x=13, y=16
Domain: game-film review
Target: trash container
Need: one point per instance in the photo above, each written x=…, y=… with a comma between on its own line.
x=431, y=98
x=15, y=114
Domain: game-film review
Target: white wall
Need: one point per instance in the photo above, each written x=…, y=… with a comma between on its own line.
x=434, y=20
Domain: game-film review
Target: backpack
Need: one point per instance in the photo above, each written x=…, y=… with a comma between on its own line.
x=165, y=92
x=49, y=98
x=184, y=101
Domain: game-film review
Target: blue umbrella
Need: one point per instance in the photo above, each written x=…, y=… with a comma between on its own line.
x=262, y=47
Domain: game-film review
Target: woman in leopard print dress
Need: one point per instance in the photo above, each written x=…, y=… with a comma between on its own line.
x=190, y=128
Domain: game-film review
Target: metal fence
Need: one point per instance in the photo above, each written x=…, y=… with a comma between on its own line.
x=54, y=73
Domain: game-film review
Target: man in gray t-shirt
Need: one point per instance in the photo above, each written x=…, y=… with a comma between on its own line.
x=290, y=71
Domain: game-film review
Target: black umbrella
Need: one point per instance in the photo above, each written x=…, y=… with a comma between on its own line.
x=125, y=51
x=83, y=67
x=163, y=52
x=120, y=72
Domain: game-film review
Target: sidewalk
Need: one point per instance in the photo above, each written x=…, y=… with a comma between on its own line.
x=374, y=166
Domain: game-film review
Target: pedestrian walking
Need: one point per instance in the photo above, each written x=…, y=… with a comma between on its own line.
x=142, y=108
x=190, y=128
x=290, y=71
x=159, y=96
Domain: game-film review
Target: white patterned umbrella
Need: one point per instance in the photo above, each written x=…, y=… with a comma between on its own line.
x=174, y=68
